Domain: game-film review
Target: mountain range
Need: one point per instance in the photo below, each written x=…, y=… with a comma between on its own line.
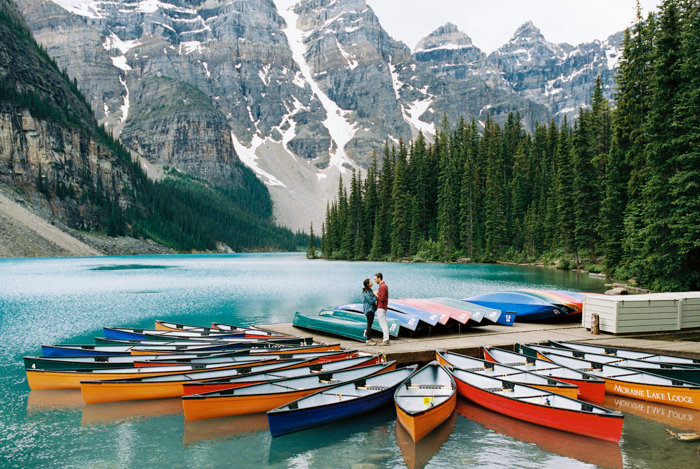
x=299, y=93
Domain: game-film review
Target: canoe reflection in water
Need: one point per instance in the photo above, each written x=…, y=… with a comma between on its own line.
x=591, y=450
x=114, y=413
x=53, y=399
x=201, y=431
x=676, y=417
x=418, y=455
x=366, y=433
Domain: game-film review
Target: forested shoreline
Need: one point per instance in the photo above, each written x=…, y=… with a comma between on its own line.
x=621, y=183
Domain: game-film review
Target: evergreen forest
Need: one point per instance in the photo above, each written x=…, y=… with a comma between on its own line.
x=619, y=185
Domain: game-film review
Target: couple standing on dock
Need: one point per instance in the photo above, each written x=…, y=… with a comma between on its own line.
x=376, y=303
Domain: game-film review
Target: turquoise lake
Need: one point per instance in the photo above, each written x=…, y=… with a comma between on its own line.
x=69, y=300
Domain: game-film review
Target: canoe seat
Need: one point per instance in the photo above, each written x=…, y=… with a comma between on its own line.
x=497, y=389
x=372, y=388
x=430, y=386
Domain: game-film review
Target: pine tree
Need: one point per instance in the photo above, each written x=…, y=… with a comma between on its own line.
x=311, y=251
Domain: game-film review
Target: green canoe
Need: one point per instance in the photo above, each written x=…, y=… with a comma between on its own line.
x=343, y=323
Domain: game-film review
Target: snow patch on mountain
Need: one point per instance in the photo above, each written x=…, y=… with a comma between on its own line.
x=341, y=131
x=248, y=156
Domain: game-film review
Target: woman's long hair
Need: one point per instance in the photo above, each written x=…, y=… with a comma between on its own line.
x=366, y=288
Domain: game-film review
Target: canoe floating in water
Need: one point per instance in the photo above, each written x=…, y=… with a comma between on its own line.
x=538, y=406
x=53, y=379
x=170, y=385
x=683, y=373
x=526, y=307
x=267, y=396
x=155, y=334
x=496, y=370
x=625, y=353
x=425, y=400
x=252, y=330
x=240, y=381
x=271, y=349
x=632, y=383
x=342, y=323
x=249, y=333
x=164, y=360
x=337, y=403
x=590, y=388
x=123, y=361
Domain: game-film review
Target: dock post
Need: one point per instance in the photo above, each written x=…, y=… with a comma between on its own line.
x=595, y=324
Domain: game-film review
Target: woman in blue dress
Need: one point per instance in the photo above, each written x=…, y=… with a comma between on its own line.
x=369, y=306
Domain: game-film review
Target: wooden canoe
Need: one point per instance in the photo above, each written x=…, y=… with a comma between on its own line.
x=425, y=400
x=683, y=373
x=538, y=406
x=637, y=384
x=267, y=396
x=590, y=388
x=626, y=353
x=337, y=402
x=257, y=378
x=496, y=370
x=54, y=379
x=171, y=385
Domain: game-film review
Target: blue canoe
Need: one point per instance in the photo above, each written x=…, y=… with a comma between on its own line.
x=526, y=307
x=407, y=321
x=426, y=316
x=338, y=402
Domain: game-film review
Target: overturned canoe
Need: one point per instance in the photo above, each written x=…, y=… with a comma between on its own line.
x=267, y=396
x=432, y=319
x=170, y=385
x=342, y=323
x=496, y=370
x=632, y=383
x=526, y=307
x=480, y=314
x=425, y=400
x=590, y=388
x=337, y=403
x=240, y=381
x=462, y=317
x=538, y=406
x=406, y=321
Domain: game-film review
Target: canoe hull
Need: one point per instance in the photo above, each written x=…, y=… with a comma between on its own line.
x=594, y=426
x=283, y=423
x=589, y=390
x=99, y=392
x=680, y=397
x=209, y=408
x=418, y=426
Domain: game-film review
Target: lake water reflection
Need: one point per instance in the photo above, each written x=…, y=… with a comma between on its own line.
x=70, y=300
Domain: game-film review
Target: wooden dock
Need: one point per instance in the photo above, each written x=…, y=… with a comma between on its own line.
x=422, y=349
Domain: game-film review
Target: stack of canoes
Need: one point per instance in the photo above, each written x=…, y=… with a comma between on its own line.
x=534, y=305
x=405, y=316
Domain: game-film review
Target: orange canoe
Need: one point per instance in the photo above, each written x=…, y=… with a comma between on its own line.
x=51, y=379
x=171, y=385
x=425, y=400
x=267, y=396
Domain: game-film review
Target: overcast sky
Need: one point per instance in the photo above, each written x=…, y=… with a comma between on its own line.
x=491, y=23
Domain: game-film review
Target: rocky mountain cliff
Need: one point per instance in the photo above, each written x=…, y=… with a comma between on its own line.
x=300, y=91
x=49, y=142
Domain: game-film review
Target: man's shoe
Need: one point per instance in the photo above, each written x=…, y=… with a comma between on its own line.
x=371, y=342
x=385, y=343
